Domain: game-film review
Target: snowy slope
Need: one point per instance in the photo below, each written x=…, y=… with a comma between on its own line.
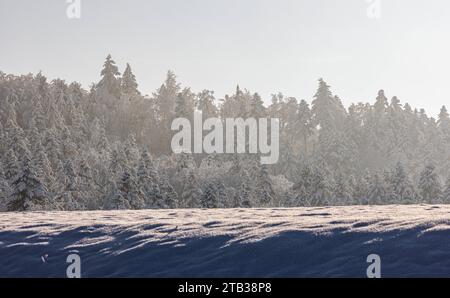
x=300, y=242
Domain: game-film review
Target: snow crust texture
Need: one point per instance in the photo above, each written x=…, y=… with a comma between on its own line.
x=412, y=241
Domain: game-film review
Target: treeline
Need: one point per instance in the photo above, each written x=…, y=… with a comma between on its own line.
x=66, y=148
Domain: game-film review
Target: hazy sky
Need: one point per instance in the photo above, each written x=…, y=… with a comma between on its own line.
x=265, y=46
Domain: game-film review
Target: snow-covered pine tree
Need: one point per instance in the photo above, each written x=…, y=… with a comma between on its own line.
x=205, y=104
x=429, y=185
x=377, y=190
x=148, y=181
x=360, y=186
x=11, y=165
x=20, y=145
x=128, y=84
x=128, y=195
x=131, y=151
x=35, y=139
x=303, y=125
x=117, y=162
x=70, y=189
x=52, y=147
x=192, y=193
x=110, y=82
x=69, y=146
x=444, y=122
x=5, y=191
x=402, y=187
x=389, y=197
x=265, y=187
x=446, y=193
x=169, y=195
x=2, y=137
x=43, y=168
x=327, y=111
x=164, y=100
x=117, y=200
x=243, y=197
x=303, y=187
x=322, y=186
x=343, y=194
x=257, y=109
x=210, y=198
x=86, y=185
x=28, y=192
x=185, y=104
x=99, y=139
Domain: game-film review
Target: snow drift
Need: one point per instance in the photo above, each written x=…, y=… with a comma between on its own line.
x=412, y=241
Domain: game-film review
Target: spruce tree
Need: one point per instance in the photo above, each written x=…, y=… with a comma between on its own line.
x=402, y=188
x=149, y=181
x=43, y=168
x=322, y=186
x=185, y=104
x=28, y=192
x=243, y=197
x=128, y=84
x=446, y=193
x=205, y=104
x=377, y=190
x=257, y=109
x=192, y=192
x=11, y=165
x=343, y=193
x=429, y=185
x=128, y=194
x=169, y=195
x=110, y=81
x=265, y=187
x=303, y=125
x=5, y=191
x=326, y=109
x=210, y=198
x=303, y=187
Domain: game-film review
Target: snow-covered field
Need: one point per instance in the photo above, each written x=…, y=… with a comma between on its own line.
x=298, y=242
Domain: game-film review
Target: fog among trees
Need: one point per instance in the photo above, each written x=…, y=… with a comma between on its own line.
x=66, y=148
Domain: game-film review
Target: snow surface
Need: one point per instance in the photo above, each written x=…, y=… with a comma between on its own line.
x=282, y=242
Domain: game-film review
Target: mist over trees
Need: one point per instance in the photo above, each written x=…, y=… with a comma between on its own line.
x=66, y=148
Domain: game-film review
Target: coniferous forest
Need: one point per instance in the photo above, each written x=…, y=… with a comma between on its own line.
x=66, y=148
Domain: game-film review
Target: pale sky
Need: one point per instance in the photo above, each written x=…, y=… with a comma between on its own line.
x=264, y=46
